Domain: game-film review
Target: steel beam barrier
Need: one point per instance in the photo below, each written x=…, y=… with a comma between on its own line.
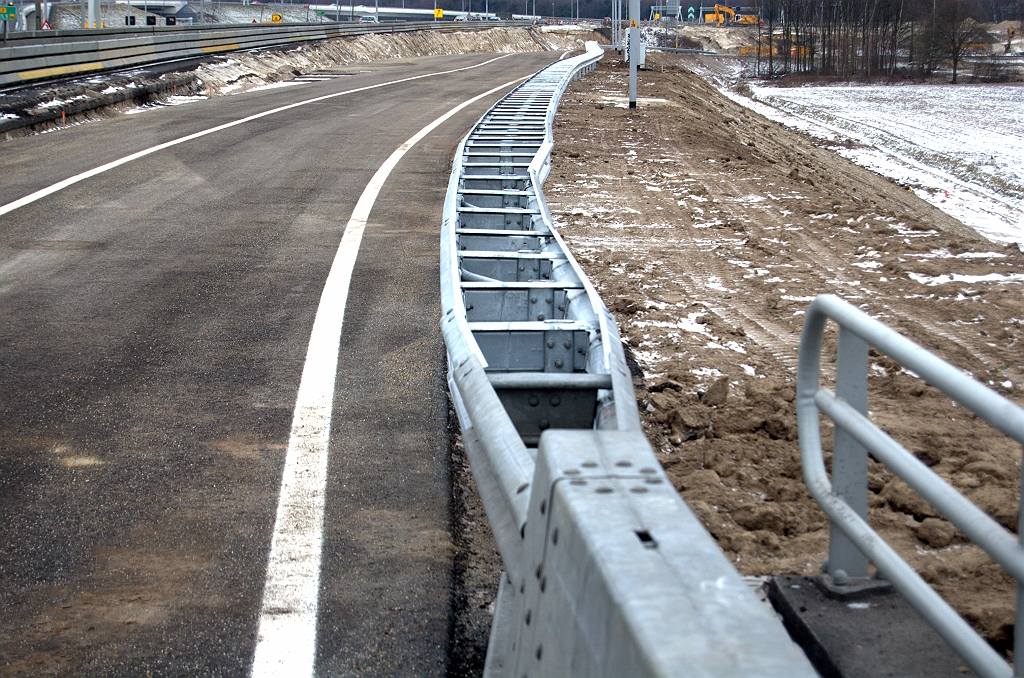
x=608, y=572
x=63, y=53
x=848, y=410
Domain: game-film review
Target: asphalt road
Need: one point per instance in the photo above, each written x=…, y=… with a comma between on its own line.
x=154, y=321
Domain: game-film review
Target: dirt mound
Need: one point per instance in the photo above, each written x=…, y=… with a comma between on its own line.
x=707, y=230
x=245, y=70
x=723, y=40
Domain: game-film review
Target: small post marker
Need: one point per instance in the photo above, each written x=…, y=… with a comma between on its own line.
x=634, y=49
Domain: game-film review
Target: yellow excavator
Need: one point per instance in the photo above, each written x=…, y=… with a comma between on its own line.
x=725, y=16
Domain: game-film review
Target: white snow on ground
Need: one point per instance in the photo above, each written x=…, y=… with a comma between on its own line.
x=277, y=85
x=958, y=147
x=931, y=281
x=176, y=100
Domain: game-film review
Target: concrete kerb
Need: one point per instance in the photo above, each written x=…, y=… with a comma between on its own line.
x=72, y=109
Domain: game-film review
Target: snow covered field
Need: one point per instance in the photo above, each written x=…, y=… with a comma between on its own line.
x=960, y=148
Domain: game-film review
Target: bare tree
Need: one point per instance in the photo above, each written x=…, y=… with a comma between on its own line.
x=956, y=29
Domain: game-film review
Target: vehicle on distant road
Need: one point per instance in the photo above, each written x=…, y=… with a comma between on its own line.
x=725, y=16
x=368, y=20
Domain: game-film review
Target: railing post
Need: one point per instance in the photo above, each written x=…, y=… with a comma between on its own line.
x=1018, y=627
x=849, y=458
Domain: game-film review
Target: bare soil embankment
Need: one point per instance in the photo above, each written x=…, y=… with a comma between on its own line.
x=708, y=229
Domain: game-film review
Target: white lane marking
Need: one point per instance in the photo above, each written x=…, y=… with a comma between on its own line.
x=49, y=190
x=286, y=645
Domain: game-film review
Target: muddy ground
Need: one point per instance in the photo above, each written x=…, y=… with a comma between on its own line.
x=708, y=229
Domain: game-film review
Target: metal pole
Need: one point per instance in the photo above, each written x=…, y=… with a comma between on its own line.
x=634, y=48
x=39, y=16
x=376, y=11
x=1018, y=628
x=849, y=458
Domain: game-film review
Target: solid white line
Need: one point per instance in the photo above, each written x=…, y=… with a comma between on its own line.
x=286, y=645
x=49, y=190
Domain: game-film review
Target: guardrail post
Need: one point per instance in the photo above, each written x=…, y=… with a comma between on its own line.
x=849, y=458
x=1018, y=627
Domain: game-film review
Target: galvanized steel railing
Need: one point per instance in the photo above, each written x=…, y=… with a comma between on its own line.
x=844, y=499
x=37, y=55
x=608, y=572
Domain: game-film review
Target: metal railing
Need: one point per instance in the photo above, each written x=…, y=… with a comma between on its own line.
x=37, y=56
x=853, y=542
x=608, y=572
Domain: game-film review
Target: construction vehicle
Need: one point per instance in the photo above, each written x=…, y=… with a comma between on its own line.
x=725, y=16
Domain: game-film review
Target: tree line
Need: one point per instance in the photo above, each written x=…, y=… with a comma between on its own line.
x=869, y=38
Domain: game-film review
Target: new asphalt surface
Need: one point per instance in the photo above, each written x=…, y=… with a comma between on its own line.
x=153, y=328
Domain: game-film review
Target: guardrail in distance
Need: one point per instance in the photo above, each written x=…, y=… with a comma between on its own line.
x=50, y=54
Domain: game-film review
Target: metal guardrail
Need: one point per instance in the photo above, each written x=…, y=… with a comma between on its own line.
x=608, y=572
x=61, y=53
x=844, y=499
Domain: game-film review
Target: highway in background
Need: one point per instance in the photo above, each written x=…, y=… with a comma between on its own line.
x=154, y=322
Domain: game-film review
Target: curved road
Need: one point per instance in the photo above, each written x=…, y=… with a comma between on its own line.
x=154, y=322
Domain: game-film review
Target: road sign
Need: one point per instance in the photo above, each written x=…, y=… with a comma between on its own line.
x=657, y=16
x=438, y=13
x=690, y=14
x=275, y=18
x=8, y=13
x=320, y=12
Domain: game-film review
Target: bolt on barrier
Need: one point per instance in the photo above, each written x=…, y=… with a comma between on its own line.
x=607, y=571
x=852, y=541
